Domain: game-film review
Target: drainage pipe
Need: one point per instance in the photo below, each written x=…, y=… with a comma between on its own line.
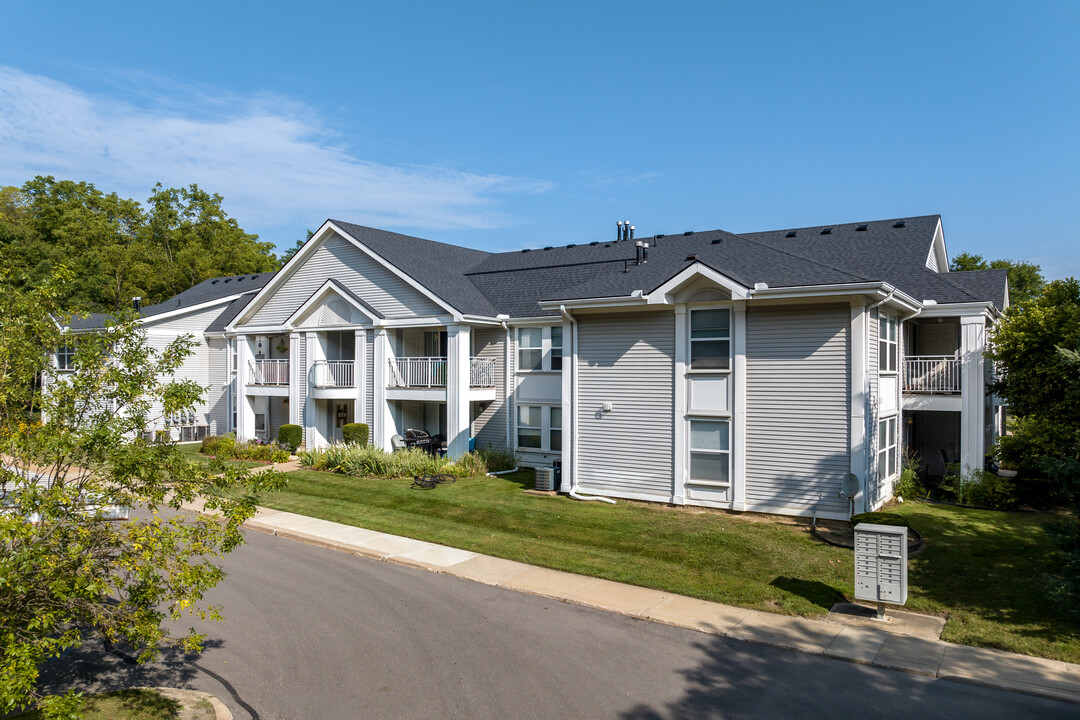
x=573, y=415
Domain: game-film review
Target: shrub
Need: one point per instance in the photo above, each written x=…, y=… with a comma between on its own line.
x=221, y=445
x=984, y=489
x=880, y=518
x=290, y=436
x=908, y=486
x=360, y=461
x=355, y=434
x=498, y=458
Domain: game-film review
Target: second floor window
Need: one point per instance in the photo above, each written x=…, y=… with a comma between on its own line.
x=556, y=347
x=887, y=349
x=65, y=358
x=530, y=348
x=710, y=339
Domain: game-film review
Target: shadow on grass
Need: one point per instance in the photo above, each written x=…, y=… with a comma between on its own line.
x=814, y=591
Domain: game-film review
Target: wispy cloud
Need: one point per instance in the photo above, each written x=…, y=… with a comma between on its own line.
x=604, y=177
x=273, y=160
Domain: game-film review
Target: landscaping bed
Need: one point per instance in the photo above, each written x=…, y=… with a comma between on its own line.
x=982, y=570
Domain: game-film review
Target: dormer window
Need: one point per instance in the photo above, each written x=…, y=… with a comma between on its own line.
x=65, y=358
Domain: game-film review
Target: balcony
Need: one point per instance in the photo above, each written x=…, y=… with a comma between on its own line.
x=273, y=373
x=430, y=372
x=932, y=374
x=332, y=374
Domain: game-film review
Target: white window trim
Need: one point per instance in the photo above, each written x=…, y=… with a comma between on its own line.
x=68, y=353
x=883, y=449
x=545, y=349
x=690, y=460
x=893, y=345
x=690, y=310
x=545, y=426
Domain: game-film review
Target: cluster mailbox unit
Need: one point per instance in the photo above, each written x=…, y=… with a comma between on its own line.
x=881, y=565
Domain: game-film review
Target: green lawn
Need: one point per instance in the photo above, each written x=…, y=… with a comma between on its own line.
x=132, y=705
x=980, y=569
x=191, y=450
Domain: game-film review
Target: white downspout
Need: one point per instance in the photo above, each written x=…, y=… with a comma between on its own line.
x=573, y=416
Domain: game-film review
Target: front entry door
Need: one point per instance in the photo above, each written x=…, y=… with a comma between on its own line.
x=342, y=414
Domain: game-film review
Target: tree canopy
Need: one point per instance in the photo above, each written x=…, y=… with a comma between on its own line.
x=68, y=571
x=1035, y=345
x=116, y=248
x=1025, y=279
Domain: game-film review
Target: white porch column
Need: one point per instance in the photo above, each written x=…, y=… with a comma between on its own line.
x=457, y=389
x=245, y=413
x=738, y=387
x=972, y=393
x=296, y=376
x=859, y=460
x=313, y=437
x=360, y=376
x=382, y=428
x=679, y=432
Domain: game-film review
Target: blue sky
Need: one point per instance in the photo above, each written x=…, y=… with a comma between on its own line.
x=506, y=125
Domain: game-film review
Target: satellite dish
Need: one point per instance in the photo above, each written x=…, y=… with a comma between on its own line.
x=851, y=484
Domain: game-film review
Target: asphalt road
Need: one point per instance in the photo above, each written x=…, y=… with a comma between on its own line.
x=315, y=634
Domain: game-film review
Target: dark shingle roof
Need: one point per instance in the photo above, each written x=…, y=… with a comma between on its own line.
x=206, y=291
x=892, y=251
x=437, y=266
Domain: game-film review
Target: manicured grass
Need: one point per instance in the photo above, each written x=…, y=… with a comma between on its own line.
x=191, y=450
x=984, y=570
x=129, y=705
x=980, y=569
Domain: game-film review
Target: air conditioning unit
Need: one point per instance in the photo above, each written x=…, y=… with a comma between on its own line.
x=545, y=479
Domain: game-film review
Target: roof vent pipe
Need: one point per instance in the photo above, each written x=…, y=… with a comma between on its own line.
x=631, y=232
x=645, y=252
x=136, y=302
x=637, y=252
x=618, y=231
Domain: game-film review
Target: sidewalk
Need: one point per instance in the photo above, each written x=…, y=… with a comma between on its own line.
x=879, y=646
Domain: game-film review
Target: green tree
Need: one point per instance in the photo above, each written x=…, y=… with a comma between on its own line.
x=115, y=248
x=66, y=571
x=1025, y=279
x=1031, y=345
x=288, y=254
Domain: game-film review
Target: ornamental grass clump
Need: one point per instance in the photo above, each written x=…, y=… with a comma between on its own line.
x=375, y=462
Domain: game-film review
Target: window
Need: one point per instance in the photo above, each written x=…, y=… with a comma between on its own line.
x=65, y=358
x=530, y=426
x=887, y=447
x=539, y=427
x=555, y=442
x=260, y=422
x=709, y=450
x=886, y=343
x=710, y=339
x=556, y=347
x=435, y=343
x=530, y=348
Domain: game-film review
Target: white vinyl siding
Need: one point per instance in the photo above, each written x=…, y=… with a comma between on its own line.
x=489, y=428
x=218, y=391
x=302, y=386
x=797, y=414
x=369, y=383
x=339, y=259
x=628, y=361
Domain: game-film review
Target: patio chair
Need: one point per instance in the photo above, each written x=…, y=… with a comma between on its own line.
x=397, y=443
x=952, y=469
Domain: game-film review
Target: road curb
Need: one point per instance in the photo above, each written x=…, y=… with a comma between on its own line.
x=1026, y=688
x=183, y=695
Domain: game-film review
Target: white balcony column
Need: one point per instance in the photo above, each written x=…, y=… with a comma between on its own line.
x=245, y=413
x=569, y=420
x=972, y=392
x=457, y=390
x=312, y=436
x=296, y=376
x=360, y=375
x=738, y=387
x=382, y=421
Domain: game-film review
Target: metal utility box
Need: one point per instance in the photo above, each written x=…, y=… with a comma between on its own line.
x=881, y=563
x=545, y=479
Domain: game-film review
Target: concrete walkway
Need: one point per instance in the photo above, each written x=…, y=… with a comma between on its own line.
x=882, y=645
